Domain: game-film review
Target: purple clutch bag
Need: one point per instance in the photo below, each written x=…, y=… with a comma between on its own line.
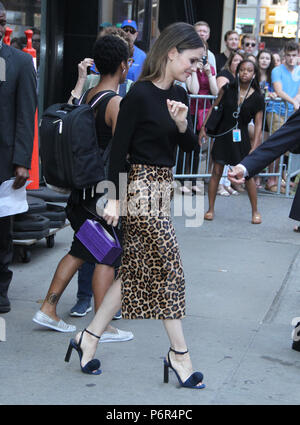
x=104, y=247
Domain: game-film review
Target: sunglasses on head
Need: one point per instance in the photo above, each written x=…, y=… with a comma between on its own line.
x=250, y=44
x=129, y=29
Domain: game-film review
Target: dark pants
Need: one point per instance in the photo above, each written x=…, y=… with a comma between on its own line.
x=6, y=253
x=85, y=275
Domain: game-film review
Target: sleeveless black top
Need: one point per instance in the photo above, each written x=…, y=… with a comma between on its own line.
x=104, y=132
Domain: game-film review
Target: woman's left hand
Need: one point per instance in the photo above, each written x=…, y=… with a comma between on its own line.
x=178, y=112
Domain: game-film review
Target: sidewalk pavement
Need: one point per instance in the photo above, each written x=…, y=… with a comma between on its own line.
x=242, y=285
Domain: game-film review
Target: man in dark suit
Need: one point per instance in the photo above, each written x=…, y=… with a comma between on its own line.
x=283, y=140
x=18, y=102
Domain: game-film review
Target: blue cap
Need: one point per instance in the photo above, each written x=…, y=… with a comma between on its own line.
x=129, y=23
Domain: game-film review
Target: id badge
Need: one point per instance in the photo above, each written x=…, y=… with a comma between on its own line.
x=236, y=135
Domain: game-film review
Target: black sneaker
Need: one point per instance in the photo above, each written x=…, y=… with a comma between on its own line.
x=4, y=304
x=296, y=333
x=118, y=315
x=81, y=308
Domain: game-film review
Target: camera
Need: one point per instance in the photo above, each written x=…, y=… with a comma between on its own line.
x=204, y=60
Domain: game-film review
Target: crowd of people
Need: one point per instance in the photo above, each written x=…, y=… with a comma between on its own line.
x=147, y=118
x=273, y=76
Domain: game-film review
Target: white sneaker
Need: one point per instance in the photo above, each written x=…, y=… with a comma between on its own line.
x=42, y=319
x=119, y=336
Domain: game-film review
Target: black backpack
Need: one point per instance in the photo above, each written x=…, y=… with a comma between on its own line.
x=70, y=155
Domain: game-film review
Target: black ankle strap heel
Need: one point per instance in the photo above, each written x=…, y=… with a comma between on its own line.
x=91, y=333
x=178, y=352
x=93, y=366
x=192, y=382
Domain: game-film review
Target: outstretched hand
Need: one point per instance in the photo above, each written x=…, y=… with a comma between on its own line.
x=236, y=175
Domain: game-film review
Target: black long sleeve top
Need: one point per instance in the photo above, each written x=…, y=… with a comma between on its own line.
x=146, y=131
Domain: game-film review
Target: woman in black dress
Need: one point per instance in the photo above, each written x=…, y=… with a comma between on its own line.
x=243, y=98
x=153, y=121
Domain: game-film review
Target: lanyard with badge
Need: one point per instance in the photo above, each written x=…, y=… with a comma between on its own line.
x=236, y=132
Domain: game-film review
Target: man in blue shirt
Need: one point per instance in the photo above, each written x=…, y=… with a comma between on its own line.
x=286, y=84
x=139, y=56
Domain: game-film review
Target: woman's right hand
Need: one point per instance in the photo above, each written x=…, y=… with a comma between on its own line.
x=83, y=66
x=111, y=212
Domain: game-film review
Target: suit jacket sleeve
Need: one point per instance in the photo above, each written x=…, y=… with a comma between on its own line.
x=26, y=104
x=277, y=144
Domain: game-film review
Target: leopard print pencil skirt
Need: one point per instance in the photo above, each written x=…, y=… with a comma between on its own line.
x=153, y=285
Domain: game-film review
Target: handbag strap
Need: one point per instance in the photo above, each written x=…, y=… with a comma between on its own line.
x=116, y=237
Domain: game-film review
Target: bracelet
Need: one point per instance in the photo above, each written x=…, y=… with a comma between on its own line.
x=74, y=95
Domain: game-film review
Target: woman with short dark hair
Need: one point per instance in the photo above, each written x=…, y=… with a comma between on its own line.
x=111, y=55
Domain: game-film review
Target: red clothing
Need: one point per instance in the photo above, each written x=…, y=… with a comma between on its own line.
x=204, y=90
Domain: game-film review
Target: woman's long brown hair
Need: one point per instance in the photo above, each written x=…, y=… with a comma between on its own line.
x=181, y=35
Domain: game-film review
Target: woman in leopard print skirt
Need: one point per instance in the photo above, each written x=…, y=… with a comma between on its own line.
x=152, y=122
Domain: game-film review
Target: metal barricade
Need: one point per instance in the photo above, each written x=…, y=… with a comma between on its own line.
x=198, y=164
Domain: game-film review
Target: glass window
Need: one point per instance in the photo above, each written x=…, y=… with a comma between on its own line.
x=122, y=9
x=22, y=15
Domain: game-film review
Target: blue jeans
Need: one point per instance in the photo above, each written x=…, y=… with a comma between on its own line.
x=85, y=275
